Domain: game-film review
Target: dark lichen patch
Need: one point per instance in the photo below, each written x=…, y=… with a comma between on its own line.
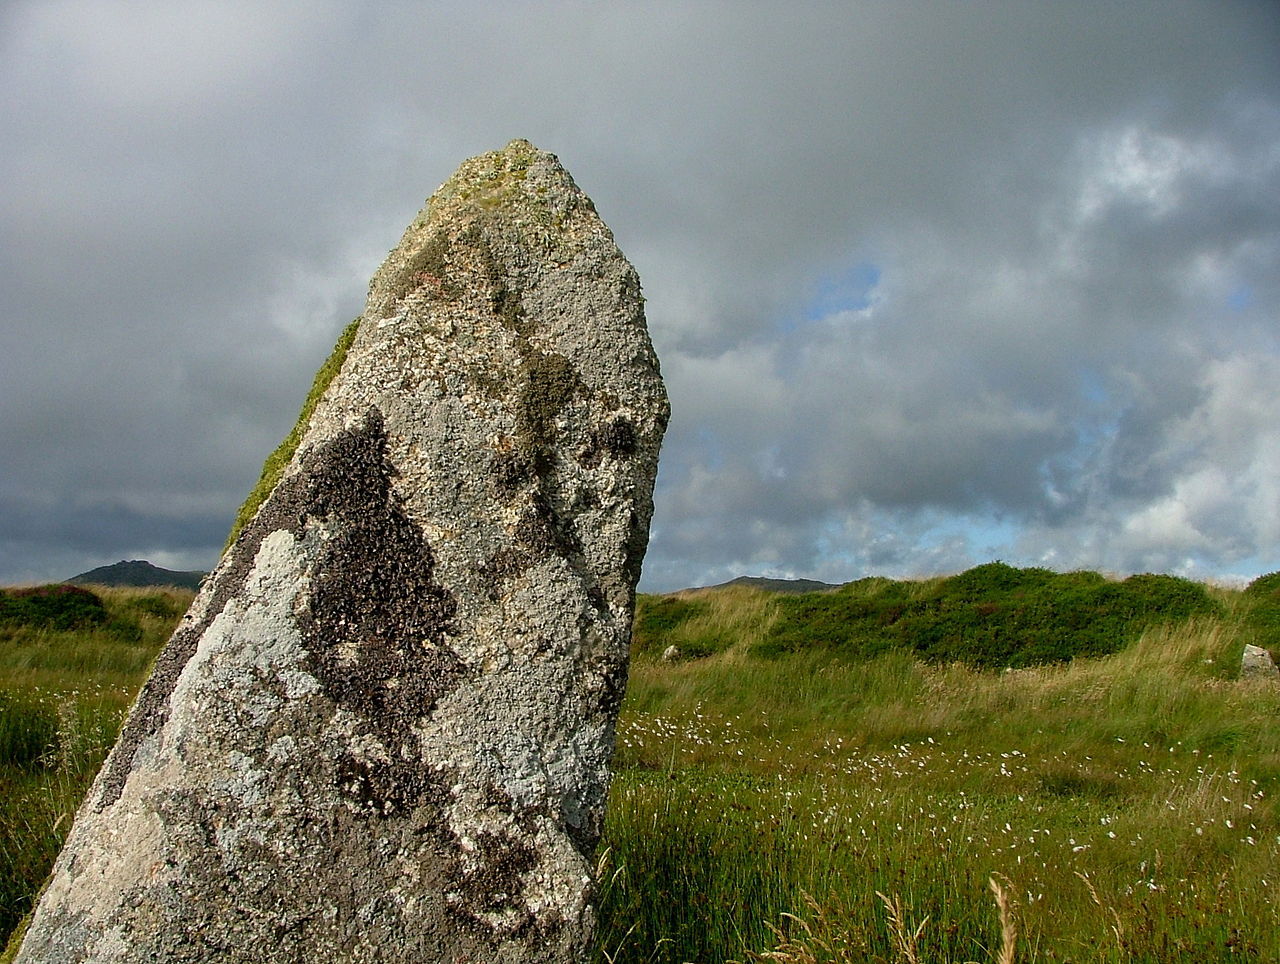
x=544, y=532
x=489, y=883
x=548, y=383
x=506, y=306
x=637, y=543
x=384, y=788
x=539, y=532
x=510, y=469
x=503, y=566
x=616, y=439
x=377, y=623
x=595, y=596
x=427, y=267
x=612, y=689
x=504, y=860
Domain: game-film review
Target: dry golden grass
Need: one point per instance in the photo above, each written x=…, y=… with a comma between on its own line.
x=736, y=618
x=824, y=937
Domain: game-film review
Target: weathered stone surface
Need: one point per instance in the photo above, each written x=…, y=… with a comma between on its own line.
x=1256, y=663
x=382, y=732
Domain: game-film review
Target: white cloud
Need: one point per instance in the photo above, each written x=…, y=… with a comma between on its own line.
x=1067, y=218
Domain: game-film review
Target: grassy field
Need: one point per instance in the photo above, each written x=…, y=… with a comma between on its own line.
x=801, y=796
x=811, y=806
x=68, y=672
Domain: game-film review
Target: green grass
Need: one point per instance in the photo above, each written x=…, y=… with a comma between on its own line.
x=813, y=804
x=779, y=808
x=69, y=668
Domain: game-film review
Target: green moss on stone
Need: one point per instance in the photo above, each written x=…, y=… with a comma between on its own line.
x=15, y=939
x=276, y=462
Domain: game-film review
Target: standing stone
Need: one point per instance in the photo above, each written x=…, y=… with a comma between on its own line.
x=382, y=733
x=1256, y=663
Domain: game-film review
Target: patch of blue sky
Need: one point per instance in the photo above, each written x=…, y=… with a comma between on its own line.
x=933, y=543
x=710, y=448
x=985, y=537
x=1240, y=298
x=1093, y=387
x=849, y=289
x=1241, y=572
x=1094, y=426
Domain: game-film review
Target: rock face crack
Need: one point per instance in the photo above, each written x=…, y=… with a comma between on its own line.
x=383, y=731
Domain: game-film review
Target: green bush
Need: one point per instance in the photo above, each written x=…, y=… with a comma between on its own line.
x=991, y=616
x=157, y=605
x=124, y=629
x=856, y=619
x=52, y=607
x=1267, y=586
x=1263, y=612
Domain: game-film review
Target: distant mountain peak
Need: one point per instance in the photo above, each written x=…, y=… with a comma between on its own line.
x=137, y=572
x=767, y=584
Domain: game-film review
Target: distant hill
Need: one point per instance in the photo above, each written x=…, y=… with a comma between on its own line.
x=794, y=586
x=138, y=573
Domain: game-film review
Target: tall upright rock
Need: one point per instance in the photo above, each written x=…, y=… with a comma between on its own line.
x=382, y=733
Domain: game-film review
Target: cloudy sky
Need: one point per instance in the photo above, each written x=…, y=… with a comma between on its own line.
x=932, y=283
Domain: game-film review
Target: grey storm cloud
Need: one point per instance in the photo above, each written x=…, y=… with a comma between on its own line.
x=932, y=283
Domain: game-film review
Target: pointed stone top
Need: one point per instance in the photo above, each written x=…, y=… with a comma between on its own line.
x=518, y=198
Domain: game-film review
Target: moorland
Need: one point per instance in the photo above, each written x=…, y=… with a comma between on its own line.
x=1003, y=765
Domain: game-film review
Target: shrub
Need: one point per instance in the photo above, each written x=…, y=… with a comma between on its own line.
x=1265, y=586
x=124, y=629
x=159, y=605
x=993, y=615
x=1263, y=612
x=59, y=607
x=856, y=619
